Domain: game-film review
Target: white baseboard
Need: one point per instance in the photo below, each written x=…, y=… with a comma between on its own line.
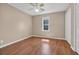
x=48, y=37
x=15, y=41
x=26, y=38
x=73, y=48
x=77, y=51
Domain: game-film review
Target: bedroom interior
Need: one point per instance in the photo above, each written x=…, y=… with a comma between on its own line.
x=39, y=29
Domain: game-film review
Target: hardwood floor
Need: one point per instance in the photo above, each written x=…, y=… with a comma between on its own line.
x=39, y=46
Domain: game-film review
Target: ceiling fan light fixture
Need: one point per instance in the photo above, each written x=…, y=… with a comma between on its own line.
x=36, y=10
x=37, y=7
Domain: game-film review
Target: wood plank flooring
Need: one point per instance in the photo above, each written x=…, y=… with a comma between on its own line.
x=39, y=46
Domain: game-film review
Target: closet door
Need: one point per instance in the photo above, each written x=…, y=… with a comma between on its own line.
x=77, y=27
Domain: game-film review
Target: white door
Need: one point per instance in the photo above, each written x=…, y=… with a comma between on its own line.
x=68, y=25
x=77, y=27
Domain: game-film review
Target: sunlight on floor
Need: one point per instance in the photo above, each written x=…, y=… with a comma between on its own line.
x=45, y=40
x=45, y=47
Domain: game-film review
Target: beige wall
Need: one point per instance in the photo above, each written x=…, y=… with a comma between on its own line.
x=56, y=25
x=68, y=25
x=14, y=24
x=72, y=6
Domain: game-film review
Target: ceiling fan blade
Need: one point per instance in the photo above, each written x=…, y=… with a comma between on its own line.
x=37, y=4
x=32, y=4
x=41, y=5
x=42, y=9
x=31, y=9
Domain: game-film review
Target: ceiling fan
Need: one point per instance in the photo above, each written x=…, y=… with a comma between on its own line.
x=37, y=7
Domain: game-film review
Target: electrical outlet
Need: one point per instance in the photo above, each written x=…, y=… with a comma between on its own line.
x=1, y=42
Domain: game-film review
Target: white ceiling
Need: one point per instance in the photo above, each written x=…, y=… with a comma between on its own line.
x=49, y=8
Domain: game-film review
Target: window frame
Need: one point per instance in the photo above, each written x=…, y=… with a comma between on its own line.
x=46, y=18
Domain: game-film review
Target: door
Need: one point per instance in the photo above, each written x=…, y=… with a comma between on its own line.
x=77, y=27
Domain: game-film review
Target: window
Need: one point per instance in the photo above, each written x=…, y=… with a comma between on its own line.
x=45, y=24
